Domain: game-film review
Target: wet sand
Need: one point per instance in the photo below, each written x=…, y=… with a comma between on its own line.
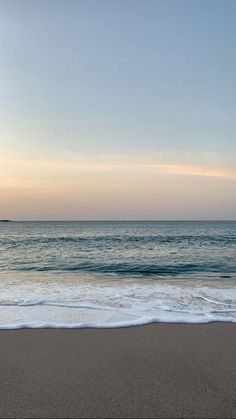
x=158, y=370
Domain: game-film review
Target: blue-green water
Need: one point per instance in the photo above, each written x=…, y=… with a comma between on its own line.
x=75, y=274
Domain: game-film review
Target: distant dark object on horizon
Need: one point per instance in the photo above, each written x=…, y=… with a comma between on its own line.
x=5, y=221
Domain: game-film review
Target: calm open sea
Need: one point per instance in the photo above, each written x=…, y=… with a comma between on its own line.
x=112, y=274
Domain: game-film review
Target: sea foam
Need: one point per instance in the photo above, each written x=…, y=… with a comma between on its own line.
x=78, y=301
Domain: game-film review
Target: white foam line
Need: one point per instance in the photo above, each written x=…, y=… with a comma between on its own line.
x=114, y=325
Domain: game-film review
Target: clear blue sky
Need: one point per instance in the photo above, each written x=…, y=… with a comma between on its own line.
x=102, y=80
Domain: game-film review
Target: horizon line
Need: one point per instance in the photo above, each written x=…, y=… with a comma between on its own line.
x=123, y=220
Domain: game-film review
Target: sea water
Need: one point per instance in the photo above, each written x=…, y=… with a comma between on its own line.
x=116, y=274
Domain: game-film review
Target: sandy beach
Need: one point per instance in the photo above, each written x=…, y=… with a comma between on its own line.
x=158, y=370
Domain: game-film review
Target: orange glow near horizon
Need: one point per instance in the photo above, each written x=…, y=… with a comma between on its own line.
x=109, y=186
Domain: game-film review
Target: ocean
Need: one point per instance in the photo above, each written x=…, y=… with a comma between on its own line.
x=116, y=274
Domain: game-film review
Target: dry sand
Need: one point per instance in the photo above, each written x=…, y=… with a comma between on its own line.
x=159, y=370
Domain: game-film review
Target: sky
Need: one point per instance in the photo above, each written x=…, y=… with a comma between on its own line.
x=117, y=109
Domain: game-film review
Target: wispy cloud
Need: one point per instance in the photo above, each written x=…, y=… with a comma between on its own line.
x=107, y=186
x=43, y=173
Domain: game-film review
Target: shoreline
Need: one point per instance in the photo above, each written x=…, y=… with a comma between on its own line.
x=128, y=326
x=166, y=370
